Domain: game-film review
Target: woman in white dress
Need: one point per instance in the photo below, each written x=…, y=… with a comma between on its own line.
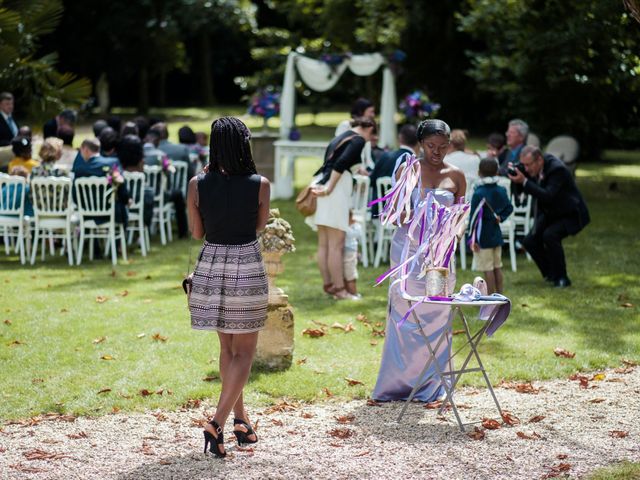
x=334, y=186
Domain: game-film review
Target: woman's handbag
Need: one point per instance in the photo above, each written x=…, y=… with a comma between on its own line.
x=306, y=201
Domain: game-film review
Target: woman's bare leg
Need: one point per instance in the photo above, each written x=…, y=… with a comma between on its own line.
x=323, y=252
x=235, y=366
x=334, y=258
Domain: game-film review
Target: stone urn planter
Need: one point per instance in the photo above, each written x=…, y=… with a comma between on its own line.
x=275, y=342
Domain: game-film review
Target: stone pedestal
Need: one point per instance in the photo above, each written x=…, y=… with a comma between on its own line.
x=263, y=155
x=275, y=342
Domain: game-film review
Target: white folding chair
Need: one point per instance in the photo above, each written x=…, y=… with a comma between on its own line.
x=361, y=214
x=566, y=148
x=179, y=178
x=135, y=182
x=508, y=226
x=384, y=233
x=12, y=219
x=96, y=199
x=52, y=208
x=472, y=182
x=157, y=181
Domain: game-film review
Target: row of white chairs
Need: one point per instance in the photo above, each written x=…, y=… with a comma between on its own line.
x=57, y=214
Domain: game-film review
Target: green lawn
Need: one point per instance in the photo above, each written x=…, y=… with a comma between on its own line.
x=55, y=334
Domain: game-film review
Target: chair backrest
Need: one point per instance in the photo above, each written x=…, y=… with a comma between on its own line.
x=135, y=182
x=156, y=181
x=533, y=140
x=12, y=195
x=51, y=196
x=383, y=185
x=179, y=177
x=360, y=196
x=564, y=147
x=506, y=183
x=94, y=197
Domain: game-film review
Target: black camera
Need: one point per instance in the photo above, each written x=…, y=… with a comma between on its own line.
x=513, y=170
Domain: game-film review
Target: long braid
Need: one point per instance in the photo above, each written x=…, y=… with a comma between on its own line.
x=230, y=147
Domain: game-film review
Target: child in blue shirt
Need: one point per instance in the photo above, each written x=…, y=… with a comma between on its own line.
x=490, y=205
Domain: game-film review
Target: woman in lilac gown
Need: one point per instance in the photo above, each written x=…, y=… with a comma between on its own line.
x=405, y=351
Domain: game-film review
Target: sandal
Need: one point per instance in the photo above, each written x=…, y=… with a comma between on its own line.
x=215, y=442
x=328, y=288
x=242, y=436
x=343, y=294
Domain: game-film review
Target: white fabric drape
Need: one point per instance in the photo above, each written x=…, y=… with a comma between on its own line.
x=319, y=76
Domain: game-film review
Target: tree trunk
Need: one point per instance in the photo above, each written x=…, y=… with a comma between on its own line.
x=206, y=73
x=143, y=91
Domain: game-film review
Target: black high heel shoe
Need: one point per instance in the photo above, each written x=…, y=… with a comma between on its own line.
x=243, y=437
x=215, y=442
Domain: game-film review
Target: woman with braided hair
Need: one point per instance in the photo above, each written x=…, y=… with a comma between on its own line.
x=404, y=350
x=228, y=204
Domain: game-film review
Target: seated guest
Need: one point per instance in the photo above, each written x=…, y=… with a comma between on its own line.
x=131, y=155
x=25, y=131
x=203, y=140
x=22, y=150
x=143, y=126
x=50, y=152
x=187, y=137
x=8, y=191
x=108, y=142
x=66, y=117
x=152, y=154
x=129, y=128
x=114, y=122
x=385, y=166
x=8, y=125
x=69, y=154
x=561, y=211
x=458, y=157
x=517, y=132
x=176, y=152
x=496, y=147
x=98, y=126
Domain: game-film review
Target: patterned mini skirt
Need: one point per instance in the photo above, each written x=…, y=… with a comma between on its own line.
x=229, y=290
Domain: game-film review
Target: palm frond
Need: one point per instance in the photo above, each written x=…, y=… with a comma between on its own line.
x=634, y=8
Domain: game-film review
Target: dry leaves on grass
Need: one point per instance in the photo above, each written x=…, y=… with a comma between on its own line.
x=353, y=382
x=561, y=352
x=39, y=454
x=104, y=390
x=618, y=434
x=584, y=380
x=16, y=342
x=361, y=317
x=341, y=433
x=477, y=434
x=192, y=403
x=77, y=436
x=490, y=424
x=346, y=328
x=146, y=449
x=276, y=422
x=557, y=470
x=526, y=436
x=377, y=333
x=107, y=357
x=520, y=387
x=509, y=419
x=629, y=363
x=313, y=332
x=283, y=406
x=327, y=392
x=346, y=419
x=99, y=340
x=101, y=299
x=124, y=293
x=596, y=400
x=159, y=338
x=209, y=378
x=301, y=361
x=307, y=415
x=26, y=469
x=624, y=370
x=626, y=305
x=7, y=322
x=433, y=405
x=458, y=332
x=372, y=403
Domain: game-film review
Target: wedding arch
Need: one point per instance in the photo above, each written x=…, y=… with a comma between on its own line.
x=319, y=76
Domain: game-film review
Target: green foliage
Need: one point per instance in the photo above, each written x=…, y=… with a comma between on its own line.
x=41, y=89
x=566, y=66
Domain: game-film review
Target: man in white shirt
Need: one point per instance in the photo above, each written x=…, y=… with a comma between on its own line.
x=465, y=161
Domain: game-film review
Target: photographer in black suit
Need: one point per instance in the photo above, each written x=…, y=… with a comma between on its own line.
x=560, y=210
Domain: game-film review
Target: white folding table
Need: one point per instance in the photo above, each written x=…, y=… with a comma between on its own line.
x=473, y=339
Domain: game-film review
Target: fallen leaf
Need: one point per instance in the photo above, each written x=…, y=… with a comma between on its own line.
x=101, y=299
x=160, y=392
x=341, y=433
x=276, y=422
x=159, y=338
x=616, y=380
x=337, y=325
x=624, y=370
x=349, y=328
x=629, y=363
x=597, y=400
x=210, y=378
x=561, y=352
x=562, y=456
x=124, y=395
x=77, y=436
x=536, y=419
x=361, y=317
x=37, y=380
x=346, y=419
x=458, y=332
x=307, y=415
x=362, y=454
x=148, y=277
x=244, y=449
x=352, y=382
x=113, y=273
x=140, y=335
x=527, y=388
x=161, y=417
x=313, y=332
x=144, y=392
x=510, y=419
x=38, y=454
x=626, y=305
x=477, y=434
x=598, y=377
x=335, y=445
x=532, y=436
x=377, y=333
x=618, y=434
x=7, y=322
x=16, y=342
x=584, y=381
x=373, y=343
x=146, y=300
x=107, y=357
x=557, y=470
x=372, y=403
x=301, y=361
x=24, y=468
x=104, y=390
x=146, y=449
x=99, y=340
x=433, y=405
x=124, y=293
x=131, y=274
x=327, y=392
x=283, y=406
x=165, y=462
x=490, y=424
x=524, y=305
x=320, y=324
x=115, y=409
x=64, y=310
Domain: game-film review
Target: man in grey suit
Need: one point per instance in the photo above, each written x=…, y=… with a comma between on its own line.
x=175, y=151
x=8, y=126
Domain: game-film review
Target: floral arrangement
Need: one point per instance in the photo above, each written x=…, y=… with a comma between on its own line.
x=114, y=176
x=277, y=235
x=265, y=103
x=416, y=106
x=167, y=165
x=334, y=60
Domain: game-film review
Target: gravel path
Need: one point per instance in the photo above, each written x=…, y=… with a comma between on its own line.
x=581, y=424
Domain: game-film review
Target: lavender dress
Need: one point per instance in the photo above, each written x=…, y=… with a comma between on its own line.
x=405, y=352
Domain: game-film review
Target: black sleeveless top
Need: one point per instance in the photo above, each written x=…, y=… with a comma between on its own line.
x=228, y=205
